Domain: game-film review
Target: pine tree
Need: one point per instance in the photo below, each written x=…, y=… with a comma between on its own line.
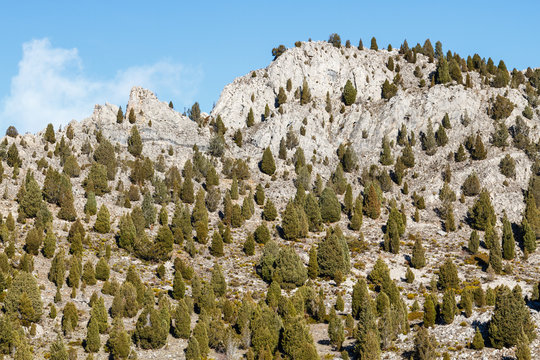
x=349, y=93
x=282, y=97
x=49, y=244
x=460, y=154
x=267, y=165
x=70, y=318
x=192, y=350
x=102, y=224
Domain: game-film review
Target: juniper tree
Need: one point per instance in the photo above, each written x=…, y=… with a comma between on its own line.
x=349, y=93
x=333, y=254
x=134, y=142
x=386, y=154
x=478, y=341
x=474, y=242
x=482, y=212
x=267, y=164
x=448, y=276
x=429, y=142
x=508, y=242
x=442, y=72
x=495, y=256
x=216, y=248
x=430, y=313
x=305, y=98
x=102, y=224
x=372, y=204
x=528, y=236
x=448, y=306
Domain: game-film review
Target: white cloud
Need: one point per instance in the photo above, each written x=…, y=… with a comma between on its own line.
x=51, y=87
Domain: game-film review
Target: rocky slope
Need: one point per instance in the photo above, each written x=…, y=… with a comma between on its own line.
x=169, y=138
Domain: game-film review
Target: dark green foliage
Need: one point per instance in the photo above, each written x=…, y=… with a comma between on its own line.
x=57, y=271
x=96, y=180
x=24, y=283
x=388, y=90
x=134, y=142
x=105, y=155
x=482, y=213
x=529, y=238
x=349, y=93
x=92, y=342
x=372, y=204
x=460, y=155
x=448, y=306
x=33, y=241
x=58, y=349
x=119, y=342
x=89, y=274
x=31, y=201
x=532, y=214
x=250, y=121
x=305, y=98
x=474, y=242
x=418, y=259
x=443, y=73
x=148, y=209
x=249, y=245
x=282, y=97
x=386, y=154
x=259, y=195
x=510, y=318
x=495, y=255
x=430, y=313
x=102, y=224
x=448, y=276
x=277, y=52
x=216, y=248
x=102, y=270
x=471, y=185
x=478, y=341
x=313, y=266
x=501, y=108
x=261, y=234
x=13, y=160
x=290, y=223
x=70, y=318
x=429, y=143
x=218, y=282
x=330, y=207
x=71, y=167
x=151, y=329
x=335, y=330
x=335, y=40
x=333, y=254
x=424, y=345
x=479, y=152
x=441, y=137
x=267, y=164
x=508, y=242
x=507, y=166
x=374, y=45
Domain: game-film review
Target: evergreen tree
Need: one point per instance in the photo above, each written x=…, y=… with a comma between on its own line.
x=429, y=312
x=448, y=276
x=479, y=152
x=49, y=134
x=102, y=269
x=119, y=342
x=448, y=306
x=495, y=256
x=57, y=271
x=349, y=93
x=90, y=207
x=282, y=97
x=49, y=244
x=70, y=318
x=429, y=143
x=250, y=121
x=372, y=204
x=32, y=199
x=102, y=224
x=313, y=265
x=267, y=164
x=474, y=242
x=58, y=349
x=532, y=214
x=182, y=321
x=424, y=345
x=478, y=341
x=192, y=350
x=200, y=332
x=92, y=342
x=290, y=223
x=443, y=72
x=333, y=254
x=460, y=154
x=440, y=136
x=386, y=154
x=418, y=259
x=148, y=209
x=510, y=318
x=482, y=213
x=329, y=206
x=24, y=282
x=508, y=242
x=134, y=142
x=529, y=238
x=388, y=90
x=374, y=45
x=335, y=330
x=305, y=98
x=179, y=287
x=216, y=249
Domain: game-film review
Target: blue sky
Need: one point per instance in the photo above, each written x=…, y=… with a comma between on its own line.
x=59, y=58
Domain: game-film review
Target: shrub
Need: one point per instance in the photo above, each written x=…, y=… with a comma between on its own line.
x=389, y=90
x=11, y=131
x=261, y=234
x=501, y=108
x=335, y=40
x=507, y=166
x=471, y=185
